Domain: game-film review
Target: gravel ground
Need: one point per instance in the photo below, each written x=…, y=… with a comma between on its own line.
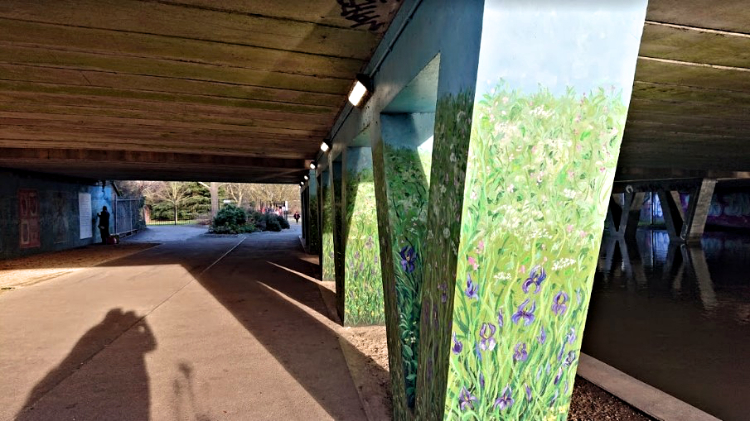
x=589, y=403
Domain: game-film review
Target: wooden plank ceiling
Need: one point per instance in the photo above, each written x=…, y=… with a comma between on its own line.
x=225, y=90
x=690, y=110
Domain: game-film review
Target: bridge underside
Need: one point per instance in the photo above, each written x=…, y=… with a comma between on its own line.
x=245, y=91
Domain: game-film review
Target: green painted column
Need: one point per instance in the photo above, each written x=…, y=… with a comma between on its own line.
x=327, y=220
x=339, y=268
x=362, y=287
x=402, y=156
x=313, y=227
x=554, y=84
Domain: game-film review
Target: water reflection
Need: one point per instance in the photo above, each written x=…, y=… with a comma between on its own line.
x=677, y=317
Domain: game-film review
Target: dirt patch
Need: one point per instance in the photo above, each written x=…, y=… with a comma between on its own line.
x=25, y=271
x=592, y=403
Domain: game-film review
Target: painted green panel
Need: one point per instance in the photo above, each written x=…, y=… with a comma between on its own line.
x=329, y=272
x=364, y=290
x=313, y=240
x=544, y=145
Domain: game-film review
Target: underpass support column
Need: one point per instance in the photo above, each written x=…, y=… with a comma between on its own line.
x=327, y=221
x=313, y=227
x=623, y=215
x=697, y=212
x=362, y=289
x=545, y=137
x=673, y=215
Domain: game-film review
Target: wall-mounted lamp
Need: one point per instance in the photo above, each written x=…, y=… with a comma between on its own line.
x=312, y=165
x=361, y=90
x=301, y=183
x=306, y=178
x=325, y=146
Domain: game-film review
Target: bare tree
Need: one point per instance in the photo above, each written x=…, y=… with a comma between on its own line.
x=172, y=192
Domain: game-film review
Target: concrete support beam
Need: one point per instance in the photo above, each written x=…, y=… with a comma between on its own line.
x=687, y=226
x=533, y=206
x=699, y=205
x=313, y=214
x=359, y=254
x=624, y=213
x=327, y=221
x=339, y=246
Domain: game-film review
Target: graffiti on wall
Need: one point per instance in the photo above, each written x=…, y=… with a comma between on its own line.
x=545, y=138
x=60, y=211
x=28, y=219
x=370, y=14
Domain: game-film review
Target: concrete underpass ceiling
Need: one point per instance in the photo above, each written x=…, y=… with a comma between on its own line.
x=246, y=90
x=690, y=110
x=177, y=89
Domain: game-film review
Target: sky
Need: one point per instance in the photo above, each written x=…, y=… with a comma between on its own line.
x=581, y=43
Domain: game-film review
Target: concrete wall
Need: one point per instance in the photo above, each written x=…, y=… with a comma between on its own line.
x=58, y=212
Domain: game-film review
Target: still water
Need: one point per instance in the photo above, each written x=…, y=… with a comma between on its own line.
x=677, y=318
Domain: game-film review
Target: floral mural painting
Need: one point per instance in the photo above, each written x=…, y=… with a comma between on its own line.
x=364, y=288
x=313, y=241
x=533, y=218
x=327, y=252
x=547, y=125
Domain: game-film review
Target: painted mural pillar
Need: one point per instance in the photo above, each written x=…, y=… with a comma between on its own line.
x=553, y=88
x=362, y=290
x=338, y=234
x=402, y=157
x=313, y=227
x=327, y=221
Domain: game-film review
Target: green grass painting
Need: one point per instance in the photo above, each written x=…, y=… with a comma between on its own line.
x=329, y=271
x=407, y=207
x=539, y=174
x=363, y=285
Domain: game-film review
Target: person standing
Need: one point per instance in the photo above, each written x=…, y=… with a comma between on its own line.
x=296, y=216
x=104, y=224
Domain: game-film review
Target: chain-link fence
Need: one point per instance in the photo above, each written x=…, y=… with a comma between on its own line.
x=128, y=217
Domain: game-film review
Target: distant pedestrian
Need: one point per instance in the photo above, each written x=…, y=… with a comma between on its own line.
x=104, y=224
x=296, y=216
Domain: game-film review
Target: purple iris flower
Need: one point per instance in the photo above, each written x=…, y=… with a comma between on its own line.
x=486, y=333
x=505, y=400
x=542, y=338
x=522, y=313
x=537, y=275
x=500, y=319
x=558, y=376
x=571, y=336
x=466, y=399
x=528, y=393
x=457, y=345
x=570, y=359
x=481, y=380
x=408, y=257
x=554, y=398
x=471, y=288
x=520, y=353
x=559, y=304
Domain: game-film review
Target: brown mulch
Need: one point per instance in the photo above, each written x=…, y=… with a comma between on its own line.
x=589, y=402
x=25, y=271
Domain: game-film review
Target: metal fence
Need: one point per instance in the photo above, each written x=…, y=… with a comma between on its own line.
x=127, y=215
x=172, y=222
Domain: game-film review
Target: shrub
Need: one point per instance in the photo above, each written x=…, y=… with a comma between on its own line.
x=282, y=222
x=272, y=224
x=229, y=220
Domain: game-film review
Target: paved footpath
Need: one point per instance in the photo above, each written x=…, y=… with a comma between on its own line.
x=202, y=328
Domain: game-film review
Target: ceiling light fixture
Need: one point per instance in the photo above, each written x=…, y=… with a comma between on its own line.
x=325, y=146
x=306, y=178
x=362, y=88
x=312, y=165
x=301, y=183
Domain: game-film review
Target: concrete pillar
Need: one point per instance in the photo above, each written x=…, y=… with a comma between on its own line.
x=361, y=292
x=313, y=215
x=338, y=234
x=624, y=214
x=402, y=156
x=327, y=221
x=687, y=226
x=697, y=212
x=548, y=117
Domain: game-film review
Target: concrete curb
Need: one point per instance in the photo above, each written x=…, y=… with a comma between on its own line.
x=640, y=395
